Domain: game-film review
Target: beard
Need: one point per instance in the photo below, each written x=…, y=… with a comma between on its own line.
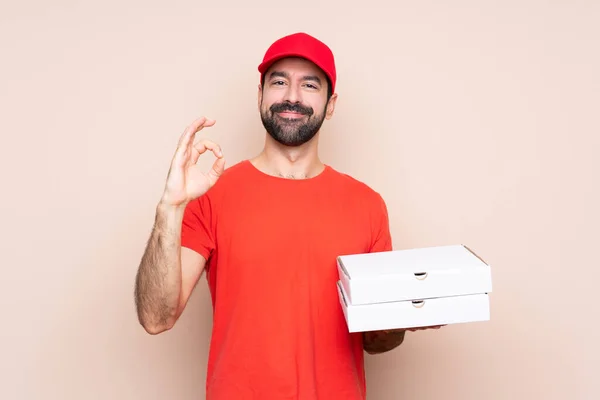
x=291, y=131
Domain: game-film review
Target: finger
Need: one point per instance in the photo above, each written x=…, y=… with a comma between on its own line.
x=187, y=138
x=194, y=127
x=217, y=169
x=185, y=151
x=204, y=145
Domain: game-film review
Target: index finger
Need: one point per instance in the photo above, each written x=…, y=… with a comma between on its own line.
x=188, y=135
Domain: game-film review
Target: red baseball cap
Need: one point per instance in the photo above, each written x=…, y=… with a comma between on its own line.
x=304, y=46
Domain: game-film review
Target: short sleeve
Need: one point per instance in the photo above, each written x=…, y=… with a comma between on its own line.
x=382, y=238
x=197, y=228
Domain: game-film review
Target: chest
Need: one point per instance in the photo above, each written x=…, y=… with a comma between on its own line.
x=292, y=234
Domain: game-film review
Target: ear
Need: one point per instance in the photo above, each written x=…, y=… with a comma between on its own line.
x=331, y=106
x=259, y=95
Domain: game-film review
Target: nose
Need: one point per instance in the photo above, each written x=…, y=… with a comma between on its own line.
x=292, y=94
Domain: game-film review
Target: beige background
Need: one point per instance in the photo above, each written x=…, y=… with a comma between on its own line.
x=477, y=121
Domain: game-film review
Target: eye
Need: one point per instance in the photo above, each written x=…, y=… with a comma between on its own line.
x=311, y=86
x=278, y=83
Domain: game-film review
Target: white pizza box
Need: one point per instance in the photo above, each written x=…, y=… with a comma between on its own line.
x=412, y=274
x=414, y=314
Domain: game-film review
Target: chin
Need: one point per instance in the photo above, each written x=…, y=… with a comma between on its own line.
x=292, y=142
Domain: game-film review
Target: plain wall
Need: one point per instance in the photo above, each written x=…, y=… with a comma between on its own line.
x=478, y=122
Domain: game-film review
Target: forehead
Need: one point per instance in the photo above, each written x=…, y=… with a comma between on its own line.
x=295, y=66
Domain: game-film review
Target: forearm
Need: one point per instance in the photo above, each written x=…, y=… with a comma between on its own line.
x=158, y=281
x=381, y=341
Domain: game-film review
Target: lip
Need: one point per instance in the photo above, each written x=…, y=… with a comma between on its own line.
x=290, y=115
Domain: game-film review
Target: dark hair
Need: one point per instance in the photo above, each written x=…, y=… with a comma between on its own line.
x=329, y=91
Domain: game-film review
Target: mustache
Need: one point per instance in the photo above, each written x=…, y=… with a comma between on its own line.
x=291, y=107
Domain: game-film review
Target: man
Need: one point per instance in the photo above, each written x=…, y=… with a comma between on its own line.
x=267, y=232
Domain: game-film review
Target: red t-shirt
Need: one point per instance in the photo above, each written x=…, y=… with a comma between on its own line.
x=271, y=243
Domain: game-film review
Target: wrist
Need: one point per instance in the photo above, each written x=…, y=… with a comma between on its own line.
x=170, y=209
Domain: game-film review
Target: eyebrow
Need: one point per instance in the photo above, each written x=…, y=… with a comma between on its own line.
x=283, y=74
x=313, y=78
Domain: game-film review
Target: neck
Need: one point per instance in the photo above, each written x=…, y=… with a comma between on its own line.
x=301, y=162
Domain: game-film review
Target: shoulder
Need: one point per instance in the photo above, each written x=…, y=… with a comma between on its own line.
x=228, y=181
x=366, y=202
x=356, y=188
x=237, y=170
x=231, y=177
